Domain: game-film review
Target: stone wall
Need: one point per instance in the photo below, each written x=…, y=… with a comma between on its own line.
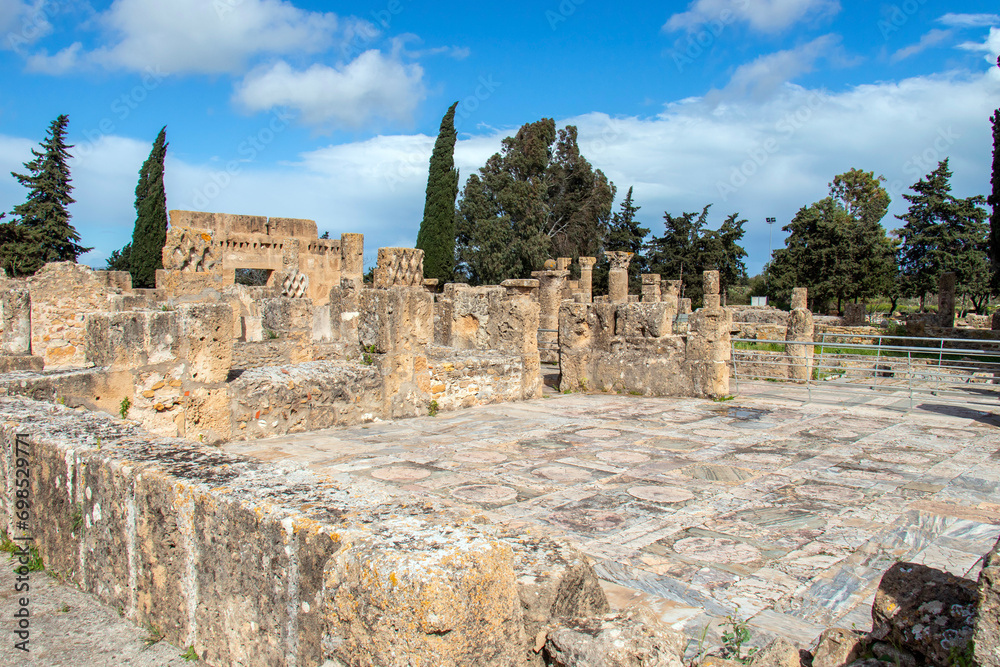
x=62, y=294
x=466, y=378
x=15, y=319
x=260, y=564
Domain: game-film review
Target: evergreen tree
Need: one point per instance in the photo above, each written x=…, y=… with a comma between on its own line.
x=535, y=199
x=721, y=251
x=437, y=230
x=150, y=234
x=837, y=247
x=46, y=234
x=994, y=201
x=941, y=234
x=626, y=233
x=119, y=259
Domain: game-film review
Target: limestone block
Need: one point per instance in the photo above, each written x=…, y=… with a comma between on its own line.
x=352, y=250
x=15, y=320
x=629, y=638
x=412, y=593
x=252, y=329
x=647, y=320
x=22, y=362
x=684, y=306
x=987, y=626
x=120, y=281
x=854, y=314
x=800, y=298
x=206, y=340
x=292, y=228
x=837, y=647
x=399, y=267
x=190, y=250
x=295, y=285
x=779, y=653
x=924, y=610
x=563, y=263
x=618, y=275
x=713, y=300
x=710, y=281
x=285, y=314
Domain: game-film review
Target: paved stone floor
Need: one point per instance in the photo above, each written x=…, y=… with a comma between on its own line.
x=783, y=512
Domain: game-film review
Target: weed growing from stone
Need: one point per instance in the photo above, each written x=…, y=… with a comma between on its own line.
x=190, y=654
x=962, y=657
x=124, y=406
x=153, y=635
x=432, y=409
x=635, y=393
x=583, y=384
x=270, y=334
x=723, y=399
x=734, y=638
x=8, y=546
x=700, y=652
x=77, y=517
x=64, y=609
x=367, y=359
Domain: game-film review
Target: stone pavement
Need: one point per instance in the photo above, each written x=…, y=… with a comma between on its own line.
x=778, y=511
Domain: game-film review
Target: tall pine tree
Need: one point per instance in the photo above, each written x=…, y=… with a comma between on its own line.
x=145, y=255
x=45, y=233
x=626, y=233
x=994, y=201
x=437, y=230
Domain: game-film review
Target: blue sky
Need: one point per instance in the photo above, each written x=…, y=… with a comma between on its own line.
x=329, y=111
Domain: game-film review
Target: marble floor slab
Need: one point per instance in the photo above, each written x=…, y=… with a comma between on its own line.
x=766, y=507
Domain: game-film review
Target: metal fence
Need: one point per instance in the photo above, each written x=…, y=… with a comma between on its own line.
x=940, y=370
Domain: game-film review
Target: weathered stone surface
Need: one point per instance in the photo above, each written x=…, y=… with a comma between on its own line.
x=15, y=320
x=629, y=638
x=946, y=300
x=987, y=626
x=837, y=647
x=587, y=278
x=892, y=654
x=924, y=610
x=800, y=298
x=710, y=282
x=399, y=267
x=412, y=594
x=618, y=275
x=779, y=653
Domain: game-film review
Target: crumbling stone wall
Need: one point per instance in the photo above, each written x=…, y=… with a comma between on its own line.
x=254, y=563
x=62, y=294
x=15, y=320
x=466, y=378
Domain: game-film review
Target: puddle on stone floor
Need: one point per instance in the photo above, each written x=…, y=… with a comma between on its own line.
x=743, y=414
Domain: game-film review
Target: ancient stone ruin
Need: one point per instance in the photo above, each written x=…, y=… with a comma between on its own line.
x=121, y=392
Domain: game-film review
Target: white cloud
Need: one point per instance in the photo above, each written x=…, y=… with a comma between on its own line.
x=760, y=78
x=23, y=23
x=62, y=62
x=762, y=15
x=969, y=20
x=758, y=157
x=222, y=36
x=373, y=85
x=991, y=46
x=932, y=38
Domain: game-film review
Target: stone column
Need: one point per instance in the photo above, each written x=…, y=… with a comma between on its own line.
x=618, y=276
x=550, y=286
x=526, y=287
x=799, y=331
x=651, y=288
x=709, y=350
x=352, y=250
x=946, y=300
x=587, y=278
x=563, y=263
x=710, y=282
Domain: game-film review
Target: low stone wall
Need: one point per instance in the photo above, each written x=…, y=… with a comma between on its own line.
x=254, y=563
x=466, y=378
x=631, y=347
x=304, y=397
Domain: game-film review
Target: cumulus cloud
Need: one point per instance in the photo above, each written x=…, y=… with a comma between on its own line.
x=761, y=77
x=373, y=85
x=762, y=15
x=991, y=47
x=969, y=20
x=23, y=23
x=59, y=63
x=932, y=38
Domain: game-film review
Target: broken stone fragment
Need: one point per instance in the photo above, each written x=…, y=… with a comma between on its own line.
x=927, y=611
x=779, y=653
x=632, y=637
x=837, y=647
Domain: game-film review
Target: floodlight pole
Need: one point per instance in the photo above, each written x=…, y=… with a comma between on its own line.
x=770, y=229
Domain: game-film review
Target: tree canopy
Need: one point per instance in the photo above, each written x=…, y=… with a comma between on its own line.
x=942, y=233
x=535, y=199
x=994, y=201
x=837, y=246
x=41, y=231
x=437, y=229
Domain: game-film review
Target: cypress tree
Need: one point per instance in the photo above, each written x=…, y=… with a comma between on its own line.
x=45, y=233
x=994, y=200
x=150, y=233
x=437, y=230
